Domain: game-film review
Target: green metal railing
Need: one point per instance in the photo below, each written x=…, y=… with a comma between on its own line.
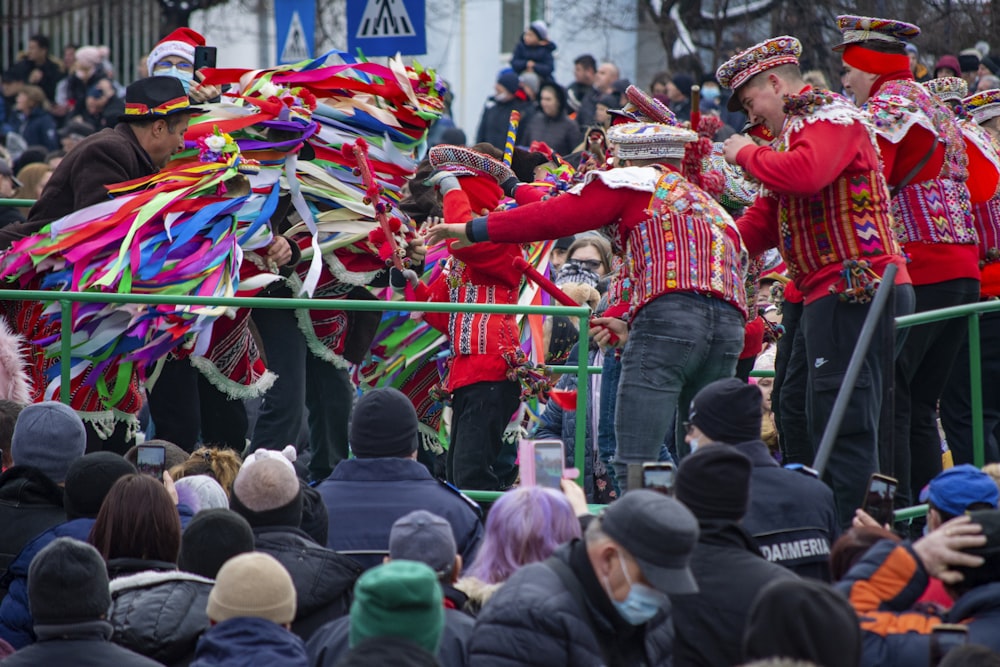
x=66, y=300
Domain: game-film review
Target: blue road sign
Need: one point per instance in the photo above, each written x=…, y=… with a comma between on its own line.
x=387, y=27
x=295, y=21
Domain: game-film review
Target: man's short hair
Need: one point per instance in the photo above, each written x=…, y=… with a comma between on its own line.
x=586, y=61
x=172, y=120
x=41, y=40
x=788, y=71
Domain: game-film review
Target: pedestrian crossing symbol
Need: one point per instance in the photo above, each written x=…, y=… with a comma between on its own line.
x=385, y=18
x=296, y=47
x=387, y=27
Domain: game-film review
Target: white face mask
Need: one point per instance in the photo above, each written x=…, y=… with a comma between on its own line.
x=694, y=443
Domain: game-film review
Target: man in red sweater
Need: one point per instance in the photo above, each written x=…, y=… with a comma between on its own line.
x=927, y=168
x=825, y=206
x=685, y=269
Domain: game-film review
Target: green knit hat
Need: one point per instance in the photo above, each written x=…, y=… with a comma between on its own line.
x=399, y=599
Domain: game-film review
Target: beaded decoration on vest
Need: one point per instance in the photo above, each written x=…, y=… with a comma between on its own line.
x=684, y=245
x=846, y=222
x=936, y=210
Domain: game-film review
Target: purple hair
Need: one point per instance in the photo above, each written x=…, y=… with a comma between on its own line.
x=524, y=526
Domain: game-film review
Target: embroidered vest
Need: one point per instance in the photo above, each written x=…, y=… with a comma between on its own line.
x=937, y=210
x=847, y=220
x=684, y=246
x=986, y=217
x=480, y=333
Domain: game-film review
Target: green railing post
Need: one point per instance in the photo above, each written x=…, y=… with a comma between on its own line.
x=65, y=349
x=582, y=398
x=976, y=392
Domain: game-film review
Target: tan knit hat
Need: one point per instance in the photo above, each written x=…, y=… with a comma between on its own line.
x=255, y=585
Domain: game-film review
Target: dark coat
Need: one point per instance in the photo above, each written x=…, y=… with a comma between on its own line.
x=561, y=134
x=51, y=74
x=541, y=54
x=496, y=117
x=534, y=619
x=323, y=578
x=16, y=623
x=730, y=573
x=331, y=642
x=791, y=515
x=80, y=645
x=39, y=129
x=110, y=156
x=30, y=504
x=364, y=497
x=9, y=216
x=160, y=615
x=249, y=642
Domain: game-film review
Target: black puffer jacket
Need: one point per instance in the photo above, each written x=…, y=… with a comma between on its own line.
x=323, y=578
x=30, y=504
x=534, y=619
x=160, y=615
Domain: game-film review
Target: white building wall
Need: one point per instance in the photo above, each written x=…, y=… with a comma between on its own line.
x=463, y=42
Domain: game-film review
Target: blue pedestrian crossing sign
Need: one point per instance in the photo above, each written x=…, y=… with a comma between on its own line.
x=295, y=21
x=387, y=27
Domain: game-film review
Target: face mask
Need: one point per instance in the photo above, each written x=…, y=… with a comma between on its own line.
x=640, y=605
x=693, y=444
x=710, y=94
x=185, y=77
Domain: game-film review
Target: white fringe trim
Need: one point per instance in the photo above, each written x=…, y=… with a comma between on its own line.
x=104, y=422
x=315, y=345
x=341, y=273
x=230, y=387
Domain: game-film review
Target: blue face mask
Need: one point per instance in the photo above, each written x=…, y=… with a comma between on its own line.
x=694, y=443
x=710, y=94
x=642, y=602
x=184, y=76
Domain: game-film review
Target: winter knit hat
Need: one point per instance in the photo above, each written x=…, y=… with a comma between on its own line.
x=267, y=493
x=68, y=583
x=93, y=56
x=200, y=492
x=803, y=620
x=88, y=481
x=48, y=436
x=728, y=411
x=399, y=599
x=426, y=538
x=714, y=483
x=212, y=538
x=508, y=79
x=384, y=424
x=253, y=585
x=540, y=29
x=180, y=42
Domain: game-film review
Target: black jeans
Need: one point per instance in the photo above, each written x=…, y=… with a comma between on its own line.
x=480, y=414
x=956, y=399
x=830, y=328
x=187, y=409
x=304, y=382
x=922, y=367
x=788, y=397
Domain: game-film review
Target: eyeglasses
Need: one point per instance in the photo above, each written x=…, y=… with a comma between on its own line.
x=165, y=65
x=688, y=427
x=589, y=264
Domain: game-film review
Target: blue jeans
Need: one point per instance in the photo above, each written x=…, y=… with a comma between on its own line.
x=677, y=344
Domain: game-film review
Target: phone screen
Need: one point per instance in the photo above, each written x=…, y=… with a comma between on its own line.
x=150, y=460
x=878, y=501
x=658, y=477
x=549, y=464
x=944, y=638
